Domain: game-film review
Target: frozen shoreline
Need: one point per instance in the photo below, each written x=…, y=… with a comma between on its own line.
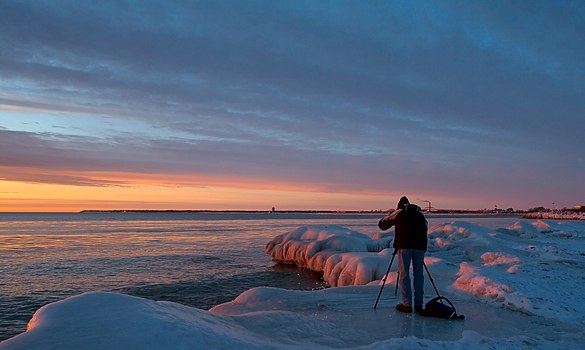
x=504, y=280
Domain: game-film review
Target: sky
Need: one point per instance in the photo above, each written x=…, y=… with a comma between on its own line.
x=334, y=105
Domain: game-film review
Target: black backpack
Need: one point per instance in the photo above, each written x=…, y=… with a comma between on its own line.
x=437, y=308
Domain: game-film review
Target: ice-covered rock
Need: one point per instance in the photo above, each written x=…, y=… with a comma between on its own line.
x=344, y=257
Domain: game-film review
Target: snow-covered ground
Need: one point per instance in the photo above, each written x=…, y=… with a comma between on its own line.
x=519, y=287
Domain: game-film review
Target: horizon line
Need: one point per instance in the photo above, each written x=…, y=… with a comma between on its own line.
x=264, y=211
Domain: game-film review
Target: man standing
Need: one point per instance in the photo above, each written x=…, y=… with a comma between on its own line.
x=410, y=242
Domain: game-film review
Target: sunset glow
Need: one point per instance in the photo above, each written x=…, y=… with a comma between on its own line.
x=18, y=196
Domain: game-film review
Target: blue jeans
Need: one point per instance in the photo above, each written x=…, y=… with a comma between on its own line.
x=405, y=256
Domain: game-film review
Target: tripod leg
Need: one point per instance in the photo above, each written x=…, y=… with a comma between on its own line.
x=385, y=277
x=397, y=278
x=431, y=278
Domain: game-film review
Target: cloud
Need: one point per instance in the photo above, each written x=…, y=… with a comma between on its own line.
x=44, y=176
x=340, y=94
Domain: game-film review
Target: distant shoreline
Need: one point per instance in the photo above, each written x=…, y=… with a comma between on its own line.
x=437, y=213
x=226, y=211
x=434, y=212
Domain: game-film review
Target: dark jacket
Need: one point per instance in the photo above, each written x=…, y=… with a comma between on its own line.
x=411, y=227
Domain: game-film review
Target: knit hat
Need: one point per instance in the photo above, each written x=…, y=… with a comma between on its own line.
x=402, y=202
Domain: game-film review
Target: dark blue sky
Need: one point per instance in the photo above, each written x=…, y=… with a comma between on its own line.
x=469, y=104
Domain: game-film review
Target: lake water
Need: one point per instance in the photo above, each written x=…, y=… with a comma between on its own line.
x=196, y=259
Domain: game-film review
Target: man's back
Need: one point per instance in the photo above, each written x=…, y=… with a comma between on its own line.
x=411, y=227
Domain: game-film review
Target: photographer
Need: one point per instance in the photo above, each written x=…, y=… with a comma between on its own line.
x=410, y=241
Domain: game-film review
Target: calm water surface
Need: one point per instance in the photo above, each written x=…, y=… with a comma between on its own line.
x=196, y=259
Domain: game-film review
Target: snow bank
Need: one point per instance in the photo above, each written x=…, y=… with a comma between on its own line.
x=472, y=281
x=116, y=321
x=341, y=255
x=540, y=228
x=491, y=258
x=261, y=318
